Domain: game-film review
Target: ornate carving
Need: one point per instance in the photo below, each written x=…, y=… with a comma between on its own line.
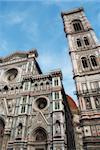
x=2, y=109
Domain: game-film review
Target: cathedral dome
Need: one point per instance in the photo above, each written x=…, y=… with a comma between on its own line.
x=73, y=106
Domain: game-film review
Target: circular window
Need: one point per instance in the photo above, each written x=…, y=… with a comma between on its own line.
x=41, y=103
x=11, y=74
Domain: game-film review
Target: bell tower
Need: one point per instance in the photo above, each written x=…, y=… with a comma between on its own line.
x=84, y=51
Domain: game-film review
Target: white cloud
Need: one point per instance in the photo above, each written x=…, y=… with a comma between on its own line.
x=14, y=18
x=31, y=29
x=3, y=45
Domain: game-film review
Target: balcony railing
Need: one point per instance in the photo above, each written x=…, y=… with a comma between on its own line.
x=88, y=91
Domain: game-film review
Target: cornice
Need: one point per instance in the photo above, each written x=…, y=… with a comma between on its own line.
x=21, y=54
x=72, y=11
x=56, y=73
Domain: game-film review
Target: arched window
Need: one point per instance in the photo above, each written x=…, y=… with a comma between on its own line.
x=41, y=86
x=40, y=135
x=77, y=24
x=57, y=105
x=93, y=60
x=84, y=62
x=26, y=85
x=79, y=44
x=57, y=95
x=47, y=85
x=6, y=88
x=29, y=67
x=56, y=83
x=23, y=105
x=86, y=41
x=36, y=87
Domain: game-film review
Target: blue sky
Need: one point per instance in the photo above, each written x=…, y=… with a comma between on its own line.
x=38, y=24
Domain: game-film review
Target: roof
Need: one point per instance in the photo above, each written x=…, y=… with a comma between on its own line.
x=72, y=11
x=73, y=106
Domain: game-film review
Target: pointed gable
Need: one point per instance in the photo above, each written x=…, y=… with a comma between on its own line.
x=19, y=54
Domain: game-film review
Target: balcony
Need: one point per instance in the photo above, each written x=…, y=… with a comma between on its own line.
x=87, y=92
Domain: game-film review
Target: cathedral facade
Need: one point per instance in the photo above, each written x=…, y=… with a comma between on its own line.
x=84, y=50
x=34, y=113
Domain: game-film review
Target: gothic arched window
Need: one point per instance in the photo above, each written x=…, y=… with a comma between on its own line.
x=79, y=44
x=29, y=67
x=47, y=85
x=57, y=105
x=86, y=41
x=77, y=24
x=40, y=135
x=93, y=61
x=84, y=62
x=36, y=86
x=23, y=105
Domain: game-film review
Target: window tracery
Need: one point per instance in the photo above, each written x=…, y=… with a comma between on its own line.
x=56, y=82
x=23, y=105
x=77, y=25
x=86, y=41
x=84, y=62
x=93, y=60
x=79, y=43
x=40, y=135
x=56, y=95
x=29, y=67
x=57, y=105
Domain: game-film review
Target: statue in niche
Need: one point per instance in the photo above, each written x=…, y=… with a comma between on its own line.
x=8, y=122
x=10, y=105
x=88, y=104
x=97, y=102
x=57, y=127
x=19, y=130
x=1, y=107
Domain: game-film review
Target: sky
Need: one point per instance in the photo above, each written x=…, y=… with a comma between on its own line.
x=29, y=24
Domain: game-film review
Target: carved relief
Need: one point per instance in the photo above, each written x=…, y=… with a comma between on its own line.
x=57, y=127
x=2, y=108
x=10, y=105
x=38, y=121
x=19, y=130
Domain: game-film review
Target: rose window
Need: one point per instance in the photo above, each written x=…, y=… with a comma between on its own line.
x=41, y=103
x=11, y=74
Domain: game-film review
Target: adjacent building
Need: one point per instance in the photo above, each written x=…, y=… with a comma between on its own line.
x=84, y=50
x=76, y=123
